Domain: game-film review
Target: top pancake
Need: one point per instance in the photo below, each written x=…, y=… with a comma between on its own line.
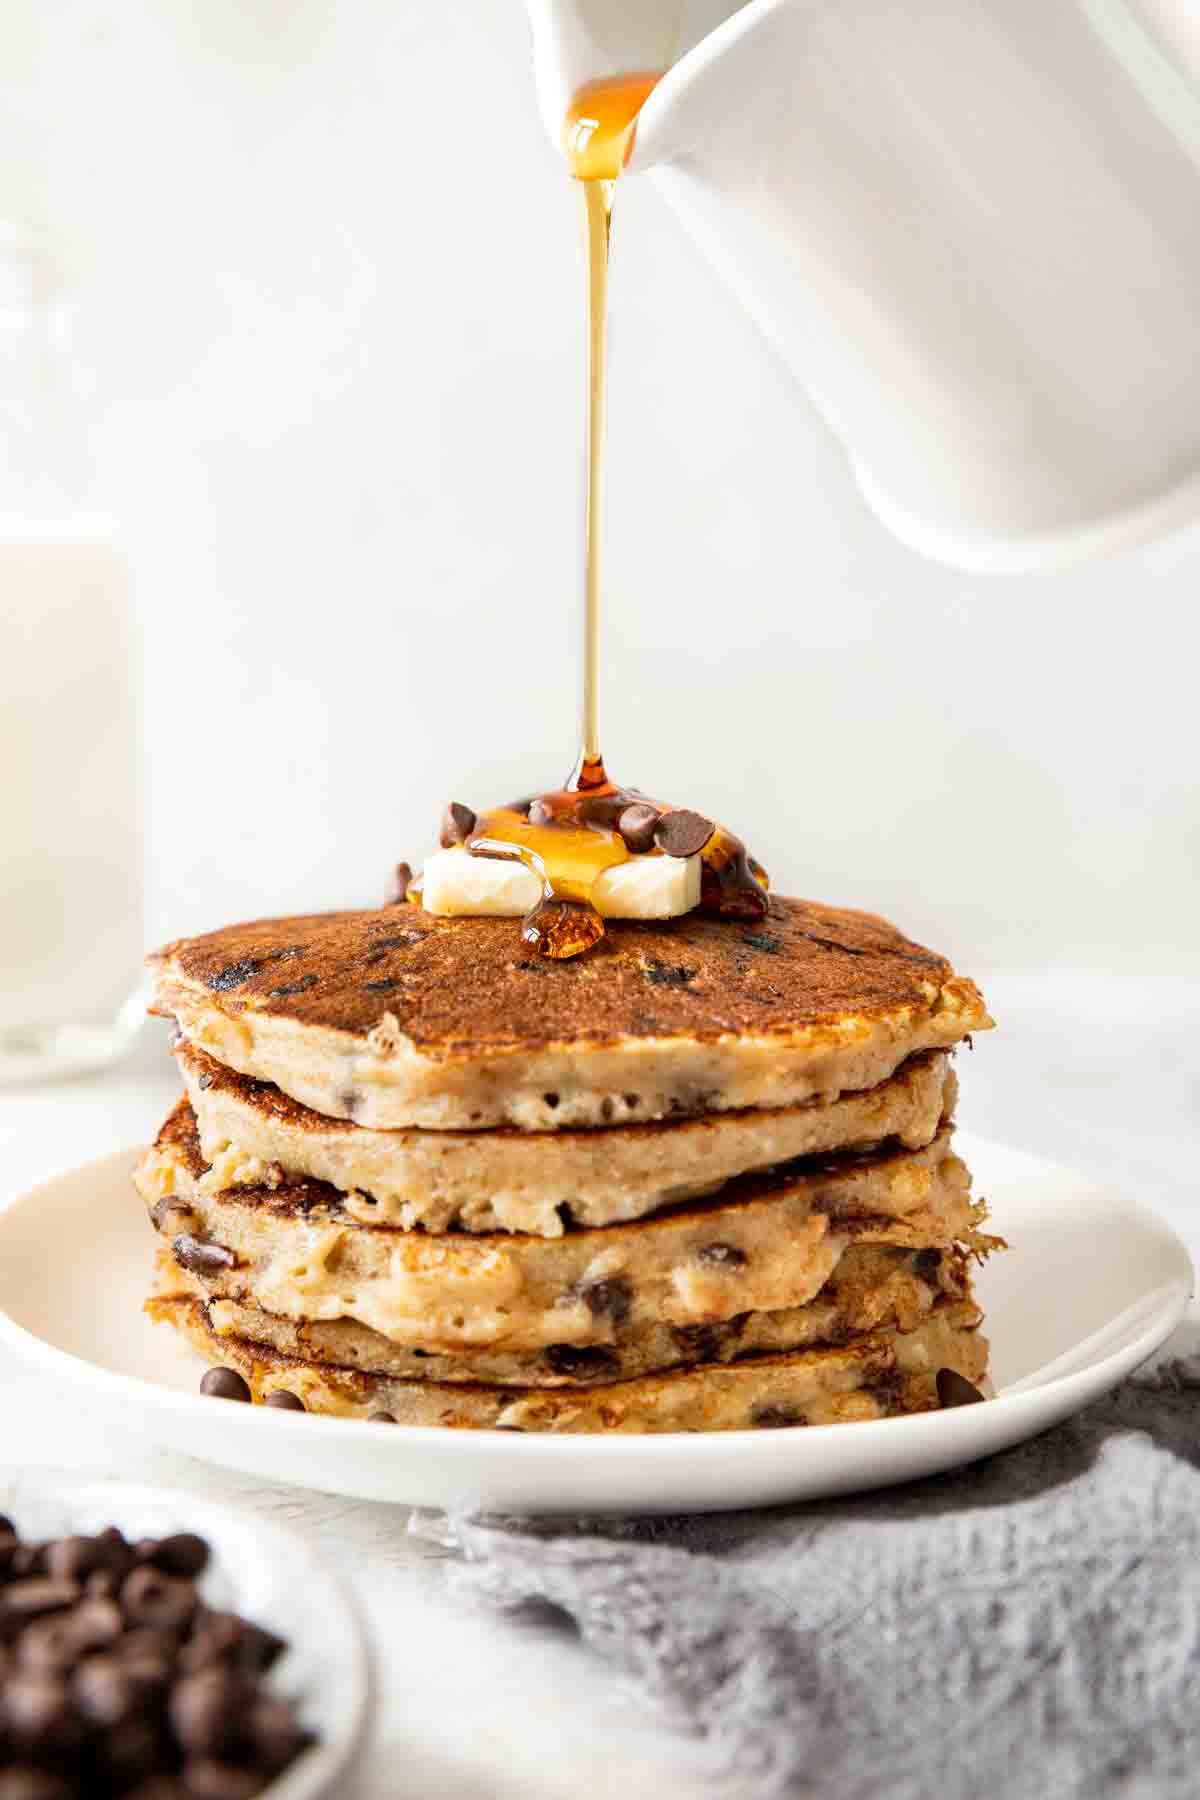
x=397, y=1018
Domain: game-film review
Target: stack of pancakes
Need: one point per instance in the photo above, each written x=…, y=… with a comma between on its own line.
x=698, y=1179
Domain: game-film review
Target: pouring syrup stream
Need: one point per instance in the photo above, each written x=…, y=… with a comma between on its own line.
x=569, y=838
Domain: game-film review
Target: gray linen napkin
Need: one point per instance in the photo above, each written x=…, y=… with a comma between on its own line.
x=1027, y=1626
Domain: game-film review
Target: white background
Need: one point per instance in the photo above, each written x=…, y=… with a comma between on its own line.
x=330, y=309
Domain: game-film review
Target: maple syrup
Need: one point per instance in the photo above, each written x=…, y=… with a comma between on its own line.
x=572, y=835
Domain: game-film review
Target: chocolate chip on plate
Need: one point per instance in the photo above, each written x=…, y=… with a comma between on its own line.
x=954, y=1389
x=683, y=833
x=225, y=1384
x=458, y=822
x=285, y=1401
x=637, y=826
x=381, y=1418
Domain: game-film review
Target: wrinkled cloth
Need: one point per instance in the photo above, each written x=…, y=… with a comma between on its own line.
x=1027, y=1626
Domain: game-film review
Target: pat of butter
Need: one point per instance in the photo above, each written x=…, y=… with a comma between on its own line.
x=458, y=885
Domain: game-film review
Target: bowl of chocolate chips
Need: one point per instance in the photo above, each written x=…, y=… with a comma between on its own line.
x=156, y=1647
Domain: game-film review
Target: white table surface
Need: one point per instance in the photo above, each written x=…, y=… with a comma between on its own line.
x=1096, y=1072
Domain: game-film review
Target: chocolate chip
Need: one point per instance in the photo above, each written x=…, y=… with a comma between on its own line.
x=581, y=1359
x=763, y=940
x=381, y=1418
x=206, y=1711
x=117, y=1552
x=234, y=974
x=380, y=987
x=637, y=826
x=170, y=1216
x=954, y=1389
x=148, y=1597
x=721, y=1256
x=397, y=887
x=41, y=1722
x=201, y=1257
x=666, y=975
x=73, y=1558
x=285, y=1400
x=381, y=946
x=56, y=1643
x=732, y=892
x=927, y=1262
x=35, y=1595
x=224, y=1384
x=206, y=1779
x=773, y=1418
x=458, y=822
x=682, y=833
x=28, y=1559
x=258, y=1648
x=104, y=1691
x=610, y=1298
x=275, y=1734
x=21, y=1783
x=183, y=1553
x=238, y=1644
x=132, y=1750
x=293, y=987
x=704, y=1342
x=49, y=1646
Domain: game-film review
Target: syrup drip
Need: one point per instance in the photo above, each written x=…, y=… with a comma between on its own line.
x=569, y=837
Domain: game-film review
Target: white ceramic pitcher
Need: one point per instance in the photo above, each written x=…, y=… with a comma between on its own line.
x=970, y=227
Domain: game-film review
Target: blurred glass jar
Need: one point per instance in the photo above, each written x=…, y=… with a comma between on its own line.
x=70, y=803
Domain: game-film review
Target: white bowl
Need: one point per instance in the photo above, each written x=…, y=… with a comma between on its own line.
x=265, y=1573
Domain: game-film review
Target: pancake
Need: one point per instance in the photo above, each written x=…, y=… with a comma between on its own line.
x=509, y=1180
x=872, y=1286
x=397, y=1018
x=876, y=1376
x=768, y=1241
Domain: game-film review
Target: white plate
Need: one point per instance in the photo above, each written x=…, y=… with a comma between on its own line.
x=1092, y=1285
x=258, y=1570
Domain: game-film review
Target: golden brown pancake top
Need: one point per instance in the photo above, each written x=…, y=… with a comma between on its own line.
x=461, y=986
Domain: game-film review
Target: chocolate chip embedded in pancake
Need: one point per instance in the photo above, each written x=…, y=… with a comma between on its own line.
x=539, y=1182
x=662, y=1020
x=297, y=1251
x=873, y=1286
x=877, y=1376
